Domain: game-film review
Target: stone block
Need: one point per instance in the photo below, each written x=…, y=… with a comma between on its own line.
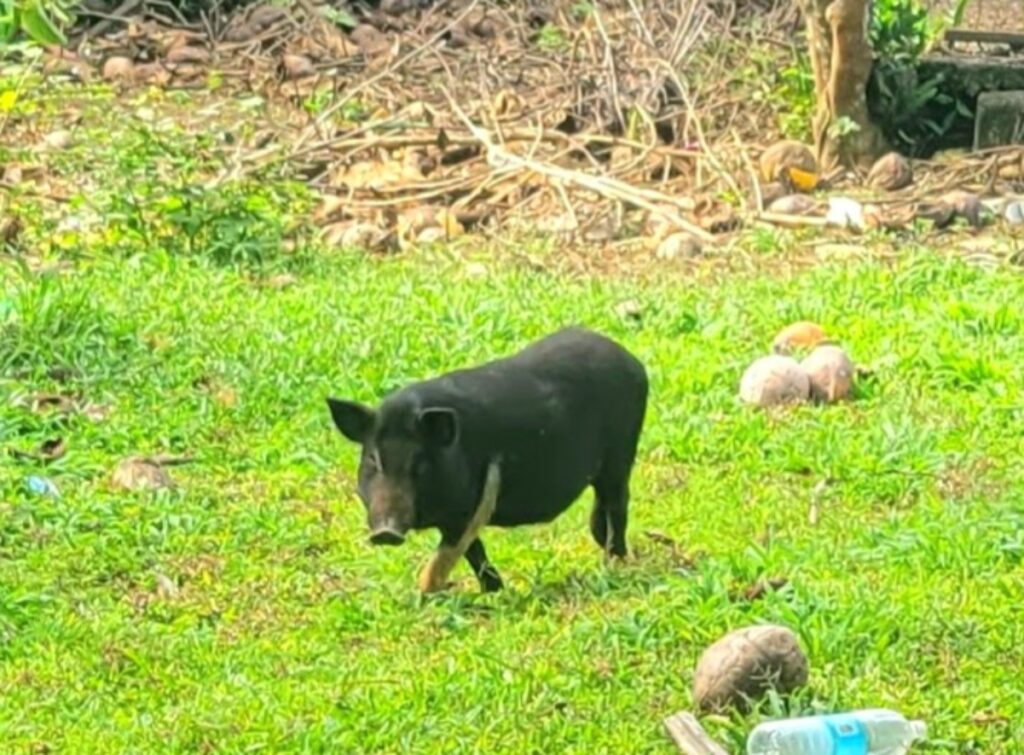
x=999, y=119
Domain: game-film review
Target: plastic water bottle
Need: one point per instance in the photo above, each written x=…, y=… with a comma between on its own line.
x=862, y=732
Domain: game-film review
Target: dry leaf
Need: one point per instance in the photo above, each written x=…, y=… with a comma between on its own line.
x=140, y=474
x=370, y=41
x=166, y=588
x=188, y=54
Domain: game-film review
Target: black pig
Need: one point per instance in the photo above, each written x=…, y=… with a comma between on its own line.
x=564, y=413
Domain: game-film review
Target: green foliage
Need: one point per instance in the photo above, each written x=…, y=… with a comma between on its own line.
x=916, y=113
x=42, y=21
x=900, y=29
x=552, y=38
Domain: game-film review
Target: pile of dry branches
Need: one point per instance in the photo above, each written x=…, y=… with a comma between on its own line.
x=416, y=121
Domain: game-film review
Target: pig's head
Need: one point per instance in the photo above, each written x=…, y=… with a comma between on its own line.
x=403, y=461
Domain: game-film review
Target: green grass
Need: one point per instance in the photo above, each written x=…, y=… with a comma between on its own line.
x=288, y=633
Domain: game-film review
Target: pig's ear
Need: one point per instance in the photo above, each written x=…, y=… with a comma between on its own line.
x=353, y=420
x=439, y=426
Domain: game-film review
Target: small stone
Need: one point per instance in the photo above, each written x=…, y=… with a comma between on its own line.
x=845, y=213
x=793, y=204
x=745, y=664
x=1014, y=213
x=891, y=173
x=629, y=310
x=773, y=381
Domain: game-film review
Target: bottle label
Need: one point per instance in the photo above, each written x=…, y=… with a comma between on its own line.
x=849, y=735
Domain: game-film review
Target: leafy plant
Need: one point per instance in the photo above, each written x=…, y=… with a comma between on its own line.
x=899, y=29
x=916, y=112
x=39, y=20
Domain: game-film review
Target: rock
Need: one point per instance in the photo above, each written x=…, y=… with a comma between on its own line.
x=830, y=372
x=783, y=157
x=773, y=381
x=118, y=68
x=793, y=204
x=745, y=664
x=891, y=173
x=798, y=335
x=1014, y=213
x=997, y=120
x=964, y=205
x=678, y=245
x=845, y=213
x=770, y=192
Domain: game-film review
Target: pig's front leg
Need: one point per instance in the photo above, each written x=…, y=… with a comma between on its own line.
x=486, y=574
x=453, y=546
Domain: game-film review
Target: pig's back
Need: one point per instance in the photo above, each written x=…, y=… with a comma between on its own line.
x=557, y=413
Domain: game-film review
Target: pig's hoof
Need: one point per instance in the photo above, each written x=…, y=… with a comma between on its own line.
x=431, y=583
x=489, y=580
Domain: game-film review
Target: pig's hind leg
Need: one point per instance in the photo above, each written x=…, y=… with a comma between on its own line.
x=609, y=517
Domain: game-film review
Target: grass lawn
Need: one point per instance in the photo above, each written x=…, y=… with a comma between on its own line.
x=243, y=610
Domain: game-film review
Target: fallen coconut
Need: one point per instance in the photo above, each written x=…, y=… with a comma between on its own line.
x=802, y=334
x=830, y=372
x=774, y=380
x=678, y=245
x=745, y=664
x=789, y=159
x=964, y=205
x=118, y=68
x=891, y=172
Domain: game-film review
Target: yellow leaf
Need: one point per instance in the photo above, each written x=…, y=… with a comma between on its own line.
x=8, y=100
x=802, y=179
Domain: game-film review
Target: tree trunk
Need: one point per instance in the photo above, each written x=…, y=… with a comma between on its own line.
x=837, y=34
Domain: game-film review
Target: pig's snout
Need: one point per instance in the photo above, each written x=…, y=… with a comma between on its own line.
x=387, y=535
